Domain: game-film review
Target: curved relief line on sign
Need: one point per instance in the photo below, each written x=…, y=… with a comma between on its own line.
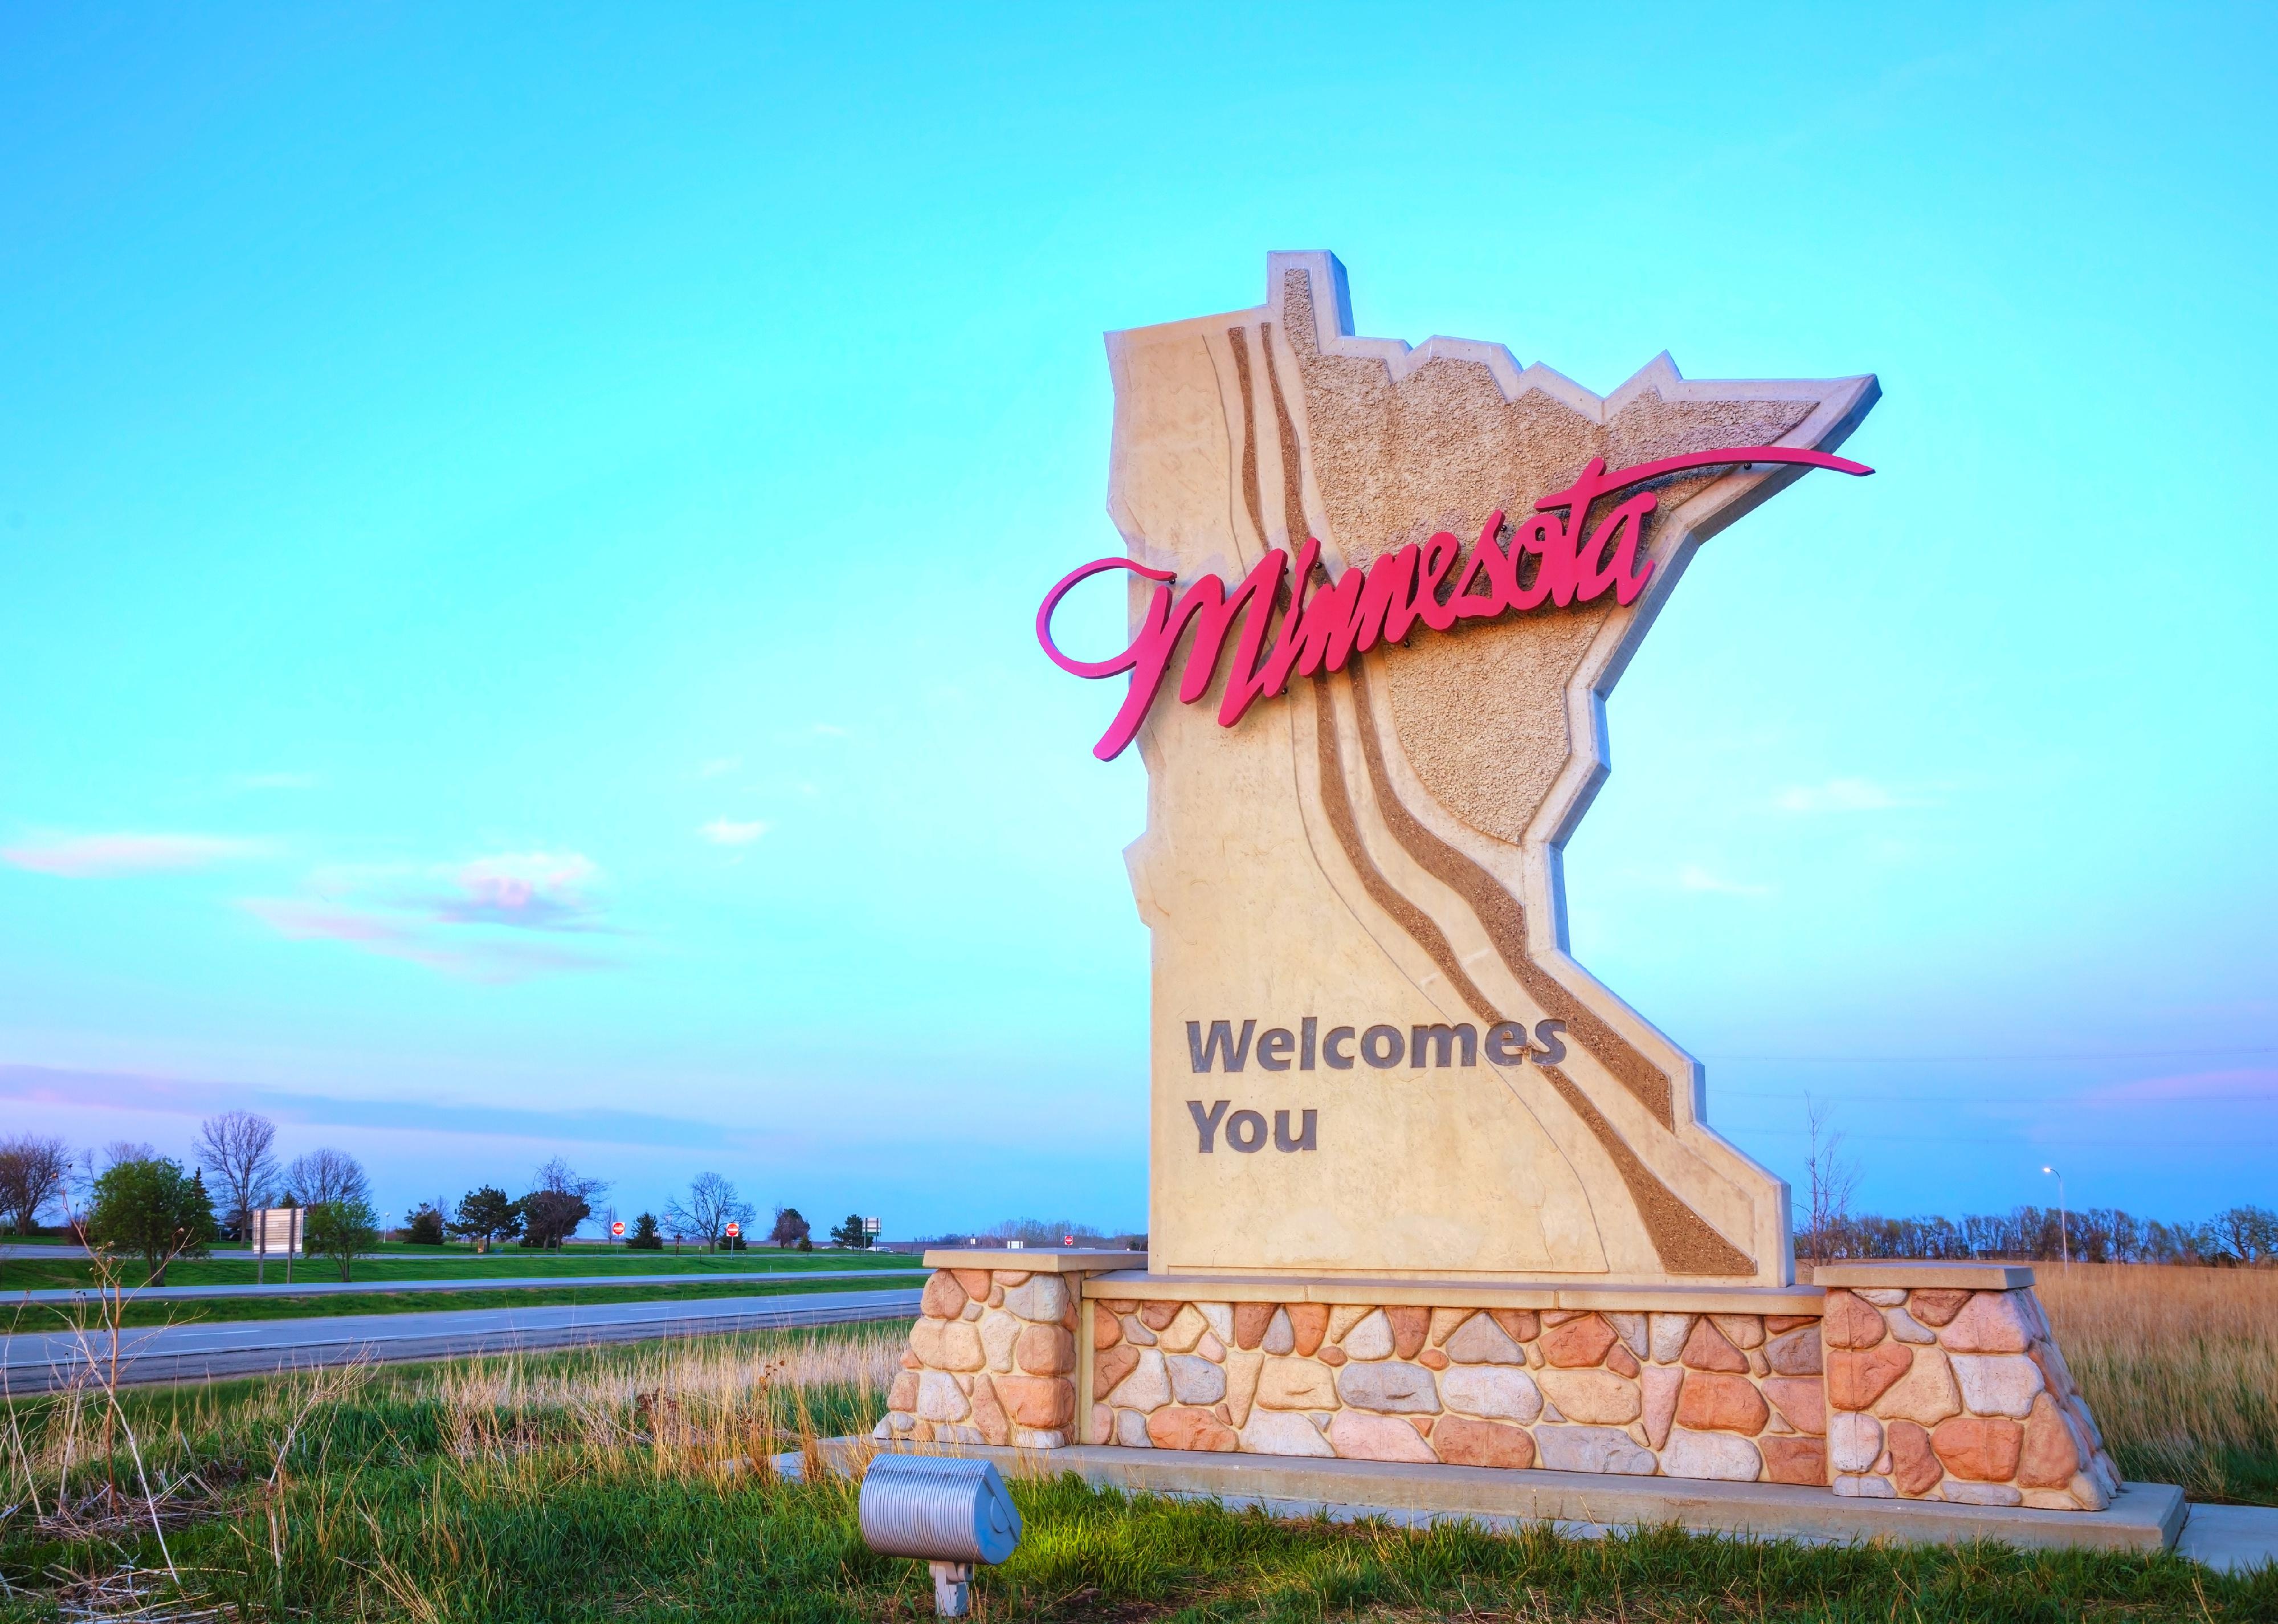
x=1684, y=1241
x=1503, y=917
x=1236, y=337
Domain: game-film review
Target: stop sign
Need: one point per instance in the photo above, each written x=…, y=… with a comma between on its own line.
x=617, y=1227
x=734, y=1229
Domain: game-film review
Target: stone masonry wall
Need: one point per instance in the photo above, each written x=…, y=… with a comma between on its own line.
x=1958, y=1394
x=1710, y=1396
x=991, y=1360
x=1949, y=1394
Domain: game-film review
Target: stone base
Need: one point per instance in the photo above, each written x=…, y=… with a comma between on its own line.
x=2141, y=1516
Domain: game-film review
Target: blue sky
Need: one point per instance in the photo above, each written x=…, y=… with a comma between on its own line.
x=518, y=530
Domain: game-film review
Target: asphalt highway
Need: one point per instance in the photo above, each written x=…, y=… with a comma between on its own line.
x=42, y=1361
x=506, y=1283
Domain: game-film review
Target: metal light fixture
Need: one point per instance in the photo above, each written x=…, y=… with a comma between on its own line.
x=947, y=1511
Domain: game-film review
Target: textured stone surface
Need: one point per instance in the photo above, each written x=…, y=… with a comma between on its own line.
x=1369, y=1337
x=1444, y=1321
x=1997, y=1384
x=1714, y=1402
x=1991, y=1323
x=1389, y=1384
x=940, y=1399
x=1854, y=1441
x=1495, y=1391
x=1481, y=1341
x=1914, y=1466
x=1593, y=1449
x=1196, y=1380
x=1794, y=1460
x=1856, y=1379
x=1518, y=1324
x=1309, y=1322
x=946, y=1344
x=1112, y=1366
x=1983, y=1448
x=1157, y=1314
x=1578, y=1344
x=1742, y=1330
x=1906, y=1328
x=988, y=1413
x=1409, y=1329
x=1331, y=1355
x=903, y=1395
x=1706, y=1348
x=1106, y=1328
x=1432, y=1358
x=1620, y=1361
x=1856, y=1486
x=1187, y=1328
x=1241, y=1371
x=1038, y=1401
x=1850, y=1323
x=1131, y=1430
x=1665, y=1336
x=1984, y=1494
x=2051, y=1454
x=1220, y=1318
x=1598, y=1397
x=1148, y=1385
x=1376, y=1437
x=1461, y=1442
x=1631, y=1327
x=1284, y=1432
x=1344, y=1316
x=975, y=1282
x=1796, y=1353
x=943, y=1298
x=1281, y=1335
x=1296, y=1384
x=1926, y=1394
x=1718, y=1455
x=1182, y=1427
x=1801, y=1401
x=1040, y=1296
x=1250, y=1322
x=1658, y=1390
x=1042, y=1350
x=1935, y=1307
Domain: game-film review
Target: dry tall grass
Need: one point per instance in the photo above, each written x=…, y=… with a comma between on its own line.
x=2180, y=1367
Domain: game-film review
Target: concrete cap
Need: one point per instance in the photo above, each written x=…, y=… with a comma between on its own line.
x=1925, y=1276
x=1043, y=1260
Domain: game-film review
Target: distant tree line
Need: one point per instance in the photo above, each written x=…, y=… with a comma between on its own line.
x=2243, y=1236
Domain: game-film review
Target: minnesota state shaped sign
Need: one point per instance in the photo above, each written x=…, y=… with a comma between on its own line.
x=1378, y=596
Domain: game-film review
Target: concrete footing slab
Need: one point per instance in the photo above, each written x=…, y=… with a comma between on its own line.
x=2231, y=1539
x=2146, y=1517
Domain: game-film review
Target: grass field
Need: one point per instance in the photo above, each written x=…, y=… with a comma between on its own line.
x=73, y=1269
x=280, y=1306
x=606, y=1484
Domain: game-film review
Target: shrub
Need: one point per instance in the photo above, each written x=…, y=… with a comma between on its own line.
x=342, y=1230
x=149, y=1205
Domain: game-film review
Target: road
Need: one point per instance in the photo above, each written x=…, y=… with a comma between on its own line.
x=504, y=1283
x=41, y=1362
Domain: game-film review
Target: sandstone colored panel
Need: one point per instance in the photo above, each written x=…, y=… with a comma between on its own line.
x=1461, y=1442
x=1376, y=1437
x=1597, y=1397
x=1494, y=1390
x=1794, y=1460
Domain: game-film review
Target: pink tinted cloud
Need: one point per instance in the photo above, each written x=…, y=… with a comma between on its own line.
x=529, y=891
x=107, y=856
x=473, y=959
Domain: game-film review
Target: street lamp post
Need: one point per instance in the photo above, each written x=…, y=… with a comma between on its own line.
x=2064, y=1238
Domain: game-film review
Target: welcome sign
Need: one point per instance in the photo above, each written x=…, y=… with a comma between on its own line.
x=1373, y=1056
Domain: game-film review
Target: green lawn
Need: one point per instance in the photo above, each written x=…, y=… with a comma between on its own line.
x=596, y=1485
x=440, y=1263
x=280, y=1306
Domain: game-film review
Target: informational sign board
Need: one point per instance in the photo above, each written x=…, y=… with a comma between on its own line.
x=870, y=1226
x=1377, y=598
x=276, y=1231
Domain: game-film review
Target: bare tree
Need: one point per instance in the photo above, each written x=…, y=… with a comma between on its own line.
x=236, y=1148
x=32, y=1173
x=326, y=1174
x=1832, y=1181
x=560, y=1200
x=712, y=1203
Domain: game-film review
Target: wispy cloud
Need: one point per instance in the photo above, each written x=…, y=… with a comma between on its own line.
x=1692, y=876
x=719, y=765
x=475, y=919
x=727, y=831
x=1846, y=796
x=107, y=856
